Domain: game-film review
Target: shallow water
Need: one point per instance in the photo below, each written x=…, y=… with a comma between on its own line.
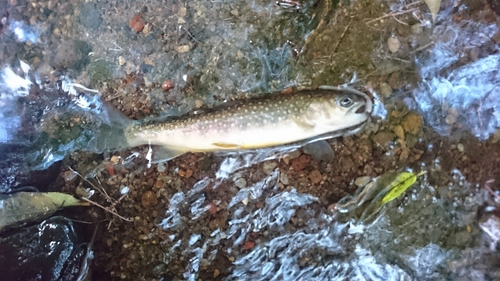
x=256, y=216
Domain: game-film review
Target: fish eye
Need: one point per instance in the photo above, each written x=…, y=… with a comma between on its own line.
x=345, y=101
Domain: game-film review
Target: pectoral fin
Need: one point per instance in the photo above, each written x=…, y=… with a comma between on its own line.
x=320, y=150
x=163, y=154
x=302, y=123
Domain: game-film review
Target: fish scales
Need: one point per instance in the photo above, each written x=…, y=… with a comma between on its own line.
x=256, y=123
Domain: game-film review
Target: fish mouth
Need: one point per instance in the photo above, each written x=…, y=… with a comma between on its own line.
x=364, y=108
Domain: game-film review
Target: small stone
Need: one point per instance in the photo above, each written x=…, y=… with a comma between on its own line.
x=147, y=83
x=121, y=60
x=148, y=199
x=383, y=138
x=412, y=123
x=240, y=183
x=137, y=23
x=294, y=154
x=182, y=11
x=269, y=166
x=315, y=176
x=405, y=153
x=416, y=28
x=460, y=147
x=362, y=181
x=284, y=178
x=385, y=90
x=398, y=130
x=245, y=201
x=451, y=117
x=198, y=103
x=298, y=164
x=393, y=44
x=115, y=159
x=183, y=49
x=490, y=224
x=167, y=85
x=216, y=273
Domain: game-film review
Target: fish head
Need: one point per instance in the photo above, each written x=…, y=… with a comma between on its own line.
x=344, y=109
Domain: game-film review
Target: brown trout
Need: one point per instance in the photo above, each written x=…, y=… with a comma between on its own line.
x=274, y=120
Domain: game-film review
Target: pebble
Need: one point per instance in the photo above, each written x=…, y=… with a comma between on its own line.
x=298, y=164
x=451, y=117
x=183, y=49
x=148, y=199
x=460, y=147
x=416, y=28
x=284, y=178
x=121, y=60
x=240, y=183
x=412, y=123
x=167, y=85
x=385, y=90
x=161, y=167
x=362, y=181
x=399, y=131
x=383, y=138
x=315, y=176
x=393, y=44
x=294, y=154
x=269, y=167
x=137, y=23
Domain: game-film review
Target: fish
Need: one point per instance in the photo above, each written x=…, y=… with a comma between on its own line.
x=275, y=120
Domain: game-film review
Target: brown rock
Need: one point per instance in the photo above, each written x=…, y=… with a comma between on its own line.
x=383, y=138
x=298, y=164
x=137, y=23
x=399, y=131
x=315, y=176
x=148, y=199
x=412, y=123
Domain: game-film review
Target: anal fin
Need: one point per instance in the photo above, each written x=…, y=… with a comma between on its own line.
x=226, y=145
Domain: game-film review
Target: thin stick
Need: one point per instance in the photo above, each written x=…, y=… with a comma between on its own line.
x=392, y=15
x=342, y=36
x=105, y=209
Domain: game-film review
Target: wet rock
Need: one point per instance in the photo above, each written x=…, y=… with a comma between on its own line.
x=315, y=176
x=399, y=131
x=416, y=28
x=72, y=54
x=490, y=224
x=240, y=183
x=298, y=164
x=269, y=166
x=385, y=90
x=90, y=16
x=383, y=138
x=99, y=71
x=137, y=23
x=412, y=123
x=362, y=181
x=183, y=49
x=393, y=44
x=148, y=199
x=284, y=178
x=205, y=164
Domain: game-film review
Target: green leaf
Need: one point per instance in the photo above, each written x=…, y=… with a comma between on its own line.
x=24, y=207
x=400, y=184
